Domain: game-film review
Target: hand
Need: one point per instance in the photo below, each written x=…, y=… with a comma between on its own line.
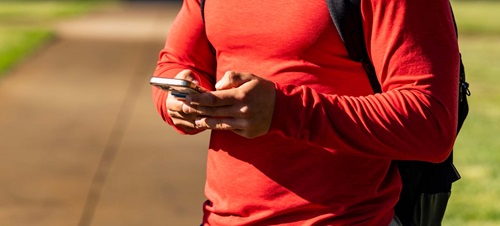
x=174, y=105
x=243, y=103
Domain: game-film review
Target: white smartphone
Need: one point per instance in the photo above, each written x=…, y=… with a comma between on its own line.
x=179, y=88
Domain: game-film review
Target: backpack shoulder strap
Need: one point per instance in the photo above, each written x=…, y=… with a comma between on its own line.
x=202, y=6
x=346, y=15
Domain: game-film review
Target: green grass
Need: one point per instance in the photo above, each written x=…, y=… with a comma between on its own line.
x=27, y=25
x=19, y=43
x=474, y=17
x=41, y=11
x=475, y=198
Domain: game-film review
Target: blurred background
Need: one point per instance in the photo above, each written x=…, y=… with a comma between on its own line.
x=81, y=142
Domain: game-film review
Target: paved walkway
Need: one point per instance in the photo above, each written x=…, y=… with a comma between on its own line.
x=81, y=143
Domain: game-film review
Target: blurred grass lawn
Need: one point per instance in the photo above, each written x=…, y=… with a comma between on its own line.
x=27, y=25
x=475, y=198
x=16, y=43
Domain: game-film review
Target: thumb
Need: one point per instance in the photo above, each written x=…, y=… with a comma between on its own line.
x=232, y=79
x=186, y=75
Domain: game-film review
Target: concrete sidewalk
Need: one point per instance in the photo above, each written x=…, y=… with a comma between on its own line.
x=80, y=141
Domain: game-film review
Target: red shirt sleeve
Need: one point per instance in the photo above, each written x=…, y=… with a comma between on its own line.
x=414, y=50
x=186, y=47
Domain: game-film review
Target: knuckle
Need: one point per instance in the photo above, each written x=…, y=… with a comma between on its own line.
x=240, y=94
x=169, y=104
x=173, y=105
x=231, y=74
x=245, y=125
x=220, y=126
x=244, y=111
x=240, y=123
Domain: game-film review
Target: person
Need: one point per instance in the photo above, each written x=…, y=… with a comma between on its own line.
x=298, y=137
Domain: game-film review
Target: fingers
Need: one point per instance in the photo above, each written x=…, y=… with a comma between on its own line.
x=236, y=125
x=226, y=93
x=179, y=118
x=225, y=103
x=185, y=74
x=223, y=111
x=175, y=106
x=242, y=103
x=214, y=99
x=220, y=123
x=232, y=79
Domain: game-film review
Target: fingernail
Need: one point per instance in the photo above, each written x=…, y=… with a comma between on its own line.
x=186, y=109
x=218, y=85
x=197, y=123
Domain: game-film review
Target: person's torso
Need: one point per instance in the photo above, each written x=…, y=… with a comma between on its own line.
x=289, y=42
x=270, y=179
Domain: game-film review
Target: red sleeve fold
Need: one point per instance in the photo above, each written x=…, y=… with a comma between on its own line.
x=414, y=50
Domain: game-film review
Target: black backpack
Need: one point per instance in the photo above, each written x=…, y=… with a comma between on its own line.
x=426, y=186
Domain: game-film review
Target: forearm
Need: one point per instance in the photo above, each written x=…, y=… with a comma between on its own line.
x=186, y=47
x=414, y=51
x=400, y=124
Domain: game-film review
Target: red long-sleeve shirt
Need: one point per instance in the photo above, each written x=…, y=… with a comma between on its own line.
x=327, y=159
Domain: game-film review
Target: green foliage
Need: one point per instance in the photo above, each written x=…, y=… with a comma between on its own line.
x=27, y=25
